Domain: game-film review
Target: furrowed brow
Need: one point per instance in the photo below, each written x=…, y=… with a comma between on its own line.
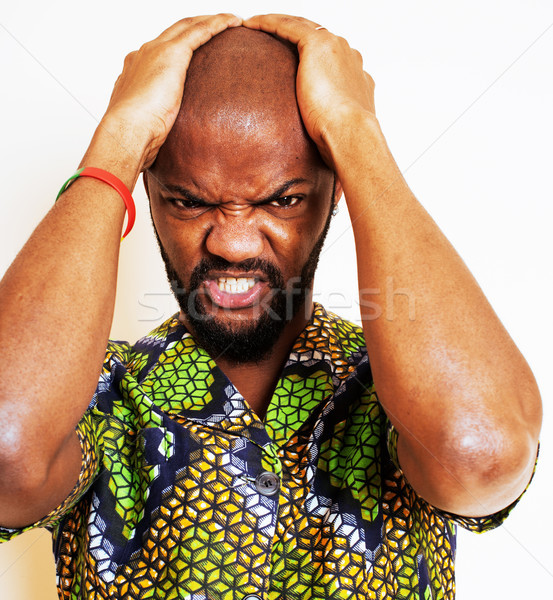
x=282, y=190
x=174, y=188
x=181, y=191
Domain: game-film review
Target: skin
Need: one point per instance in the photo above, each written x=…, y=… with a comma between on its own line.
x=461, y=396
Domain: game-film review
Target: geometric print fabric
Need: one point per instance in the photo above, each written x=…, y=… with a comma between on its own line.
x=169, y=502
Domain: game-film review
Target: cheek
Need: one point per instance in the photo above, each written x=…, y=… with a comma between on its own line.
x=185, y=248
x=181, y=241
x=159, y=219
x=296, y=243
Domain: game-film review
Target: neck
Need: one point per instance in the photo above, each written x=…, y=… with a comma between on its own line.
x=256, y=381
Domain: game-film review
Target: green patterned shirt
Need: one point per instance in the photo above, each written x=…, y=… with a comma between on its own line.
x=185, y=493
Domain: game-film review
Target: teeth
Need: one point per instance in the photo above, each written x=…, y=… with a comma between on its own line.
x=235, y=285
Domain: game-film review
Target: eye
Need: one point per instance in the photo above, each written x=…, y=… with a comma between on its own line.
x=188, y=208
x=186, y=203
x=287, y=201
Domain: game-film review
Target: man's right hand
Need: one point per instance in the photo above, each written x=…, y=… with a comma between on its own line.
x=147, y=95
x=58, y=296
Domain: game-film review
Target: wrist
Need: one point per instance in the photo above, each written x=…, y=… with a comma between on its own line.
x=352, y=131
x=364, y=164
x=119, y=148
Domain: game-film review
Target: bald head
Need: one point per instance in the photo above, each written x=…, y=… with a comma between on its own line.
x=241, y=72
x=241, y=83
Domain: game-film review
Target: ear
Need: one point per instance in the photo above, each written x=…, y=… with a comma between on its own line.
x=338, y=190
x=145, y=180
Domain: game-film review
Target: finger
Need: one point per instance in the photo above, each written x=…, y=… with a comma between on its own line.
x=200, y=28
x=174, y=47
x=369, y=80
x=370, y=84
x=293, y=29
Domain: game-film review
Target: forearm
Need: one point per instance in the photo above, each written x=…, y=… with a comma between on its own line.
x=448, y=374
x=57, y=303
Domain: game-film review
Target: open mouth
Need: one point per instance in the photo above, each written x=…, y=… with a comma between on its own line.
x=231, y=292
x=235, y=285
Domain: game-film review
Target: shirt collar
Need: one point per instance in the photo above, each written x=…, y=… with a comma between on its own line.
x=197, y=390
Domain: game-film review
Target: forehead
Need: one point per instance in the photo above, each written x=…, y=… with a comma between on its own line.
x=247, y=152
x=239, y=116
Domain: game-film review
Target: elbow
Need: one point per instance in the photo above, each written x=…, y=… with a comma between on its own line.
x=488, y=456
x=491, y=462
x=494, y=446
x=23, y=463
x=474, y=451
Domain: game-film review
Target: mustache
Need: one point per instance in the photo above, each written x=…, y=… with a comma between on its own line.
x=216, y=263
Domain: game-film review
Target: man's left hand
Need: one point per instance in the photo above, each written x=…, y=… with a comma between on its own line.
x=331, y=84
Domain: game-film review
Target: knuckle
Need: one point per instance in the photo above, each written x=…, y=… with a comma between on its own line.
x=145, y=48
x=130, y=57
x=289, y=20
x=185, y=21
x=158, y=50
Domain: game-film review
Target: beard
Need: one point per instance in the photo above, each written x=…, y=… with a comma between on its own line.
x=249, y=341
x=239, y=342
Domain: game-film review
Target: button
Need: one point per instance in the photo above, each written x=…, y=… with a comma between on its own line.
x=266, y=483
x=253, y=596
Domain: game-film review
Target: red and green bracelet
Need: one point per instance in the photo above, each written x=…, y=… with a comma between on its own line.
x=115, y=183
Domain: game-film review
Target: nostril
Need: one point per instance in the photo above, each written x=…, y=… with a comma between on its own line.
x=235, y=243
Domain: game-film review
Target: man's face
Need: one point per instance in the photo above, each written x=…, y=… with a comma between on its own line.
x=240, y=214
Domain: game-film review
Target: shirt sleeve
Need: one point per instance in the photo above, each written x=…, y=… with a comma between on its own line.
x=477, y=524
x=89, y=433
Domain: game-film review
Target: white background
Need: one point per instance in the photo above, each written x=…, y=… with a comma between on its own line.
x=464, y=94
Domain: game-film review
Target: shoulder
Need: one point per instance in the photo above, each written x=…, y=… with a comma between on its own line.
x=139, y=357
x=342, y=339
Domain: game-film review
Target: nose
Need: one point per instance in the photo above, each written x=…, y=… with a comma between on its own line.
x=235, y=236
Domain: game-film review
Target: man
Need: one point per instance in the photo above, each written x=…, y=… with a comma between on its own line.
x=240, y=450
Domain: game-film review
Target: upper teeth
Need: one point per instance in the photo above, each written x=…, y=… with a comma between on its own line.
x=235, y=285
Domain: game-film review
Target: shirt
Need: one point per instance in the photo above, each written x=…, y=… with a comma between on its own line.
x=185, y=493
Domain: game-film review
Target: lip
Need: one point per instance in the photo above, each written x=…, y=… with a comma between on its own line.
x=234, y=301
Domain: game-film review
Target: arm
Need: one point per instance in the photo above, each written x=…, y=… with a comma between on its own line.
x=451, y=380
x=57, y=298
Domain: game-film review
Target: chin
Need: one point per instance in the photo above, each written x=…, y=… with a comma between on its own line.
x=240, y=338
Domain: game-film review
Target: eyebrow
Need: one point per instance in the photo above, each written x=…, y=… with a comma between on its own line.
x=185, y=193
